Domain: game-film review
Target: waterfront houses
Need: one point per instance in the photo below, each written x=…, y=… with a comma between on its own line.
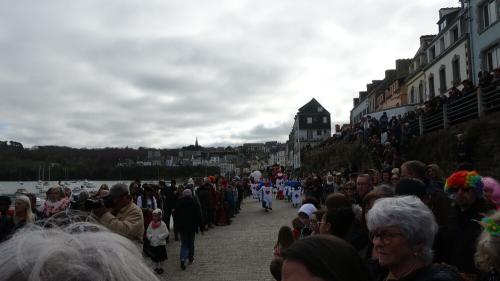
x=467, y=44
x=312, y=125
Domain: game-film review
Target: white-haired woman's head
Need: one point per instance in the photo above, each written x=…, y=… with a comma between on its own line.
x=22, y=209
x=80, y=251
x=405, y=221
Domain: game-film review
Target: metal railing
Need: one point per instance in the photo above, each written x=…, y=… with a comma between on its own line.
x=474, y=105
x=433, y=121
x=491, y=97
x=463, y=109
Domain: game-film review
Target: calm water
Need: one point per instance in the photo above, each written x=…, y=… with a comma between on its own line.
x=9, y=187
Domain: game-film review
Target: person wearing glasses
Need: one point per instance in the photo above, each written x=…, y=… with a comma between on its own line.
x=402, y=230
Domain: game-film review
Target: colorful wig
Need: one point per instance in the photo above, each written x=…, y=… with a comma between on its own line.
x=465, y=179
x=491, y=184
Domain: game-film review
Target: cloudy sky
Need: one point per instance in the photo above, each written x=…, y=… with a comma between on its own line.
x=159, y=73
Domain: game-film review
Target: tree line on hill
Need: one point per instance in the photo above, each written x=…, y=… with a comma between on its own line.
x=65, y=163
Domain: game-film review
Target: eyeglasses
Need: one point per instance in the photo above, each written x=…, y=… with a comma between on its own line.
x=385, y=236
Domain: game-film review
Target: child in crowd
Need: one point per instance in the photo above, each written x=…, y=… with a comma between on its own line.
x=285, y=239
x=157, y=234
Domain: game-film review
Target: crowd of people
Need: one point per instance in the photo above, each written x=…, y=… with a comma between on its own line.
x=410, y=223
x=139, y=213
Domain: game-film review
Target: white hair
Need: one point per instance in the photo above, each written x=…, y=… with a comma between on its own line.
x=78, y=252
x=29, y=214
x=411, y=215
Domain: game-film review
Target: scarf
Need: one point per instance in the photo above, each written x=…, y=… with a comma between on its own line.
x=155, y=225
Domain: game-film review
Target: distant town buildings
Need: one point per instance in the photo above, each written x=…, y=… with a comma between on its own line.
x=466, y=44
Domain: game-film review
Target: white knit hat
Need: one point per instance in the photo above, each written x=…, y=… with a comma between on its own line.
x=308, y=209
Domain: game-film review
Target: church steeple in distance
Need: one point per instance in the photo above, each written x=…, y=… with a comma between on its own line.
x=196, y=143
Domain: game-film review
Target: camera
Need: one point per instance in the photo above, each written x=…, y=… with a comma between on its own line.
x=91, y=204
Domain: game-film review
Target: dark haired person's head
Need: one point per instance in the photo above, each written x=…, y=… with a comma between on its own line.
x=323, y=257
x=311, y=200
x=337, y=200
x=413, y=187
x=413, y=169
x=337, y=222
x=285, y=237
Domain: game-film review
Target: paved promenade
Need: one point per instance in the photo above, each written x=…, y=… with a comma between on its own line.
x=240, y=251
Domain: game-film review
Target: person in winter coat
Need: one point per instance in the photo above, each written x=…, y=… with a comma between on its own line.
x=466, y=187
x=188, y=220
x=157, y=234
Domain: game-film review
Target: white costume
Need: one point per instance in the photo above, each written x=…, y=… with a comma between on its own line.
x=296, y=194
x=267, y=197
x=255, y=192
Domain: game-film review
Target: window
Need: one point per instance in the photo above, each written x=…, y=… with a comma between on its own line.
x=325, y=119
x=309, y=120
x=491, y=58
x=432, y=93
x=412, y=95
x=309, y=134
x=442, y=25
x=455, y=66
x=489, y=14
x=486, y=15
x=420, y=92
x=432, y=52
x=442, y=80
x=320, y=109
x=319, y=132
x=441, y=45
x=454, y=34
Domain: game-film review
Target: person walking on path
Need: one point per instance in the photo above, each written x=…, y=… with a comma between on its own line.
x=157, y=233
x=188, y=219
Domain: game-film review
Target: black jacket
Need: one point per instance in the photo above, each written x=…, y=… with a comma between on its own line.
x=465, y=233
x=187, y=214
x=433, y=272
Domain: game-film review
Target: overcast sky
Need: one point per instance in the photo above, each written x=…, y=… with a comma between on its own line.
x=159, y=73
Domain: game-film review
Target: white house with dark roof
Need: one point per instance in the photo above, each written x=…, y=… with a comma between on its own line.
x=448, y=54
x=312, y=125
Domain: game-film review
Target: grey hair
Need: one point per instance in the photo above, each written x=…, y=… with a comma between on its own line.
x=77, y=252
x=411, y=215
x=119, y=189
x=384, y=188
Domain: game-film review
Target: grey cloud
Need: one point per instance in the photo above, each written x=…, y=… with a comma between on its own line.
x=90, y=74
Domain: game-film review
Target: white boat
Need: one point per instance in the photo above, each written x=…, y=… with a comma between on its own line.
x=88, y=184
